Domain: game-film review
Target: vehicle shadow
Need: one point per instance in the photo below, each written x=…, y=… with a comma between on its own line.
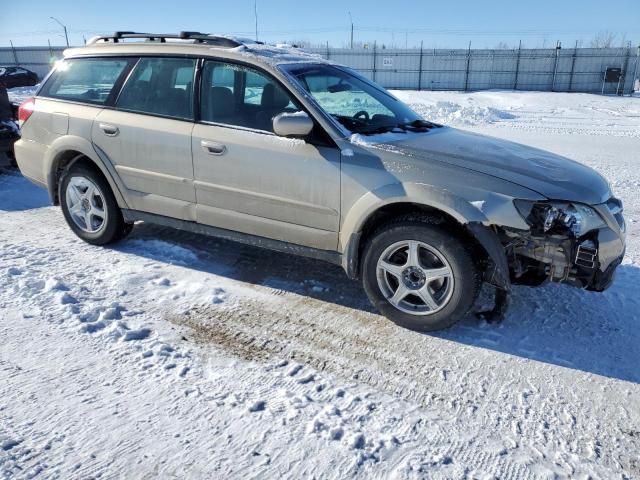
x=592, y=332
x=18, y=194
x=244, y=263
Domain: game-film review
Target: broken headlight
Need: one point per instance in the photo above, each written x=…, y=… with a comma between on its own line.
x=559, y=217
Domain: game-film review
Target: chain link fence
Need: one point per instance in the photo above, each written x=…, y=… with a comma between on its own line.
x=555, y=69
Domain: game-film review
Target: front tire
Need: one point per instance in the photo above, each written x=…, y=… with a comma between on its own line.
x=419, y=275
x=89, y=207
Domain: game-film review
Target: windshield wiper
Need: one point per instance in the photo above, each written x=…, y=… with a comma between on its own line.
x=417, y=125
x=373, y=129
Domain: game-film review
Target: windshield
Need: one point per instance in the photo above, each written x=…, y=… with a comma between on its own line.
x=358, y=104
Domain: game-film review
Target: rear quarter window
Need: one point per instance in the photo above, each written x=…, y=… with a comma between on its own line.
x=89, y=80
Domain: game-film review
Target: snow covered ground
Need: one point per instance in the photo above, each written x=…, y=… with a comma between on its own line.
x=172, y=355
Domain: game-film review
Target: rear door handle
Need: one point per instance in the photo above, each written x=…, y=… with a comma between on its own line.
x=109, y=130
x=213, y=148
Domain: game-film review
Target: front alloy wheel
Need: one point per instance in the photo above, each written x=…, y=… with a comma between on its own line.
x=415, y=277
x=419, y=275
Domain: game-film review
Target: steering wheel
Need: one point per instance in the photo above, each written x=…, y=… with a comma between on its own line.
x=362, y=113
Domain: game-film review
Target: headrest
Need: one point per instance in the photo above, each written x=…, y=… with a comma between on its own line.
x=273, y=97
x=221, y=101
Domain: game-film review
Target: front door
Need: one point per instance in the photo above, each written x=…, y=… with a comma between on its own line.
x=147, y=137
x=248, y=179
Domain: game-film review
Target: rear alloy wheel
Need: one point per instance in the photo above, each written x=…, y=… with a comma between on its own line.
x=419, y=276
x=86, y=204
x=89, y=206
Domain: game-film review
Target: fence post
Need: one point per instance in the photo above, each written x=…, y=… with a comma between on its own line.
x=555, y=66
x=15, y=54
x=515, y=83
x=433, y=60
x=420, y=67
x=328, y=53
x=374, y=61
x=493, y=64
x=573, y=65
x=626, y=70
x=635, y=69
x=466, y=75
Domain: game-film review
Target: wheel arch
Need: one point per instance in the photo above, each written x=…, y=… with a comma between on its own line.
x=424, y=203
x=68, y=150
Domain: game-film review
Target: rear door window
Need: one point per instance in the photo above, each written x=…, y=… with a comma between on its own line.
x=88, y=80
x=160, y=86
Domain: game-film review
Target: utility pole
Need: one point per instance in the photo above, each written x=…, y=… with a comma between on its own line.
x=351, y=20
x=255, y=12
x=66, y=36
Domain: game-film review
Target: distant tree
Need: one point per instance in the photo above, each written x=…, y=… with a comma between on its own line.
x=502, y=46
x=603, y=39
x=357, y=44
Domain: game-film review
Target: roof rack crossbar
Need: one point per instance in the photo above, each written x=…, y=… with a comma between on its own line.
x=197, y=37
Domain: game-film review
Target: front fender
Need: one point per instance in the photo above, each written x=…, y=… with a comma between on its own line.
x=60, y=146
x=418, y=193
x=463, y=211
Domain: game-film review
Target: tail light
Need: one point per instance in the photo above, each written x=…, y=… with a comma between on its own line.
x=26, y=109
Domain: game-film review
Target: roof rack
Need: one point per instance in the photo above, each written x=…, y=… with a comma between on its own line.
x=197, y=37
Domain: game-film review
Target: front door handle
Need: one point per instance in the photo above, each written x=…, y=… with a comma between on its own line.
x=213, y=148
x=109, y=130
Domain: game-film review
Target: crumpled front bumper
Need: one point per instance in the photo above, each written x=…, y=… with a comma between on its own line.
x=588, y=262
x=603, y=279
x=611, y=243
x=611, y=248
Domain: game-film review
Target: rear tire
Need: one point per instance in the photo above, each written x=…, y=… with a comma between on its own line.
x=89, y=206
x=427, y=294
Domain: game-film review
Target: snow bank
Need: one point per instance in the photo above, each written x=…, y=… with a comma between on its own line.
x=562, y=113
x=451, y=113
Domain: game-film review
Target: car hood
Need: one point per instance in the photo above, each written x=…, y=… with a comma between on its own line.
x=550, y=175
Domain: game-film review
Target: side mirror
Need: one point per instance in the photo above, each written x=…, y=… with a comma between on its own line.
x=297, y=124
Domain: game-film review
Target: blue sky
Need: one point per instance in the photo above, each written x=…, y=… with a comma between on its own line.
x=438, y=24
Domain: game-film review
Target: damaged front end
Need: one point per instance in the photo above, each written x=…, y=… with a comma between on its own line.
x=568, y=242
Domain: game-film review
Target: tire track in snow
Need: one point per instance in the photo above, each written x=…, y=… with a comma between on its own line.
x=362, y=347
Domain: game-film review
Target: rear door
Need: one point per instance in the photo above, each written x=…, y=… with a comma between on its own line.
x=147, y=136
